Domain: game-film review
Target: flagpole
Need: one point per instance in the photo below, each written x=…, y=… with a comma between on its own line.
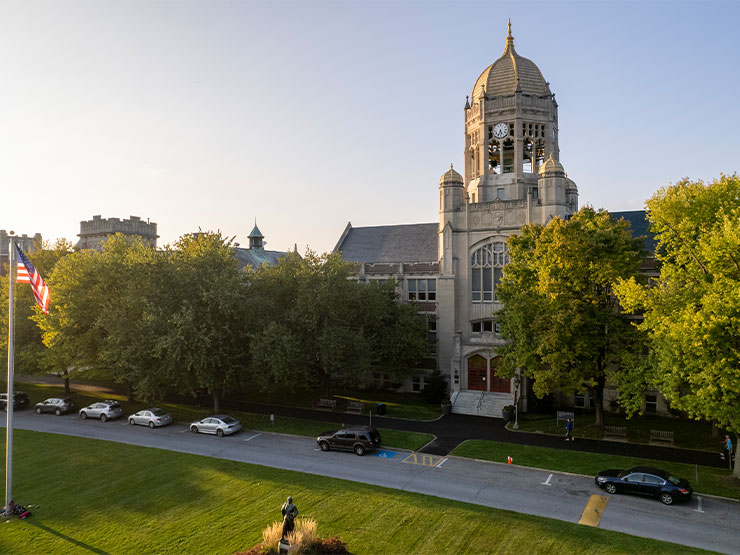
x=11, y=364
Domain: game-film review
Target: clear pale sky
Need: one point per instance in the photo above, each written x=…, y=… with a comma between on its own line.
x=307, y=115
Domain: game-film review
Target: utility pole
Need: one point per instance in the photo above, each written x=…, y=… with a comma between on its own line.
x=11, y=363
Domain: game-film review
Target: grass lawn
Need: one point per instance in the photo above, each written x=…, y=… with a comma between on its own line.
x=689, y=434
x=714, y=481
x=251, y=421
x=103, y=497
x=398, y=405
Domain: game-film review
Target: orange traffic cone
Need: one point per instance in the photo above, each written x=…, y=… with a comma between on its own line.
x=509, y=460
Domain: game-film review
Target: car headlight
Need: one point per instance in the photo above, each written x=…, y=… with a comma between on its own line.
x=601, y=479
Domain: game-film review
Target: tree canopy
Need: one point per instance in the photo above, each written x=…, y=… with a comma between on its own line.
x=692, y=310
x=560, y=317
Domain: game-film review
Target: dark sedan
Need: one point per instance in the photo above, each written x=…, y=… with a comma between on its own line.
x=645, y=480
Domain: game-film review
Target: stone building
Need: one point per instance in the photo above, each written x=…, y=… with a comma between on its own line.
x=94, y=232
x=23, y=241
x=513, y=176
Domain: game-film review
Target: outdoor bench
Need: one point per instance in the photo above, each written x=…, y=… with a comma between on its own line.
x=615, y=431
x=660, y=435
x=330, y=404
x=355, y=406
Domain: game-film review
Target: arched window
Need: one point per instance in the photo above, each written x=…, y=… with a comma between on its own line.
x=487, y=265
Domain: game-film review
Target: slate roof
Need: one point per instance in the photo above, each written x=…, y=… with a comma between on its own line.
x=256, y=257
x=389, y=243
x=640, y=226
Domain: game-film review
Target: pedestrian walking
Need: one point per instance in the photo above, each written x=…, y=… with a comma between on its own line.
x=727, y=444
x=569, y=430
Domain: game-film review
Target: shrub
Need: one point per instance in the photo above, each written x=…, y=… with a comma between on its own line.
x=435, y=388
x=301, y=540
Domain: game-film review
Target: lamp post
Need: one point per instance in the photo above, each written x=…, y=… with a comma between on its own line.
x=517, y=381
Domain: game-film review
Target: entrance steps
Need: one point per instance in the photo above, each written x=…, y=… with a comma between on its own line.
x=481, y=403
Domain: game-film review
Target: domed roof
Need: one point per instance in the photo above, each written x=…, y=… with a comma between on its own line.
x=451, y=176
x=509, y=72
x=552, y=167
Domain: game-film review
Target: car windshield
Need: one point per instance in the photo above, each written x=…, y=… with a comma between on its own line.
x=228, y=419
x=158, y=412
x=673, y=480
x=114, y=406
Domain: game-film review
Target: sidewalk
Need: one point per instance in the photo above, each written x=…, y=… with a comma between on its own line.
x=453, y=429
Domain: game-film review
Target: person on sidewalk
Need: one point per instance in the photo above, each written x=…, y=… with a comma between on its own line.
x=727, y=444
x=569, y=430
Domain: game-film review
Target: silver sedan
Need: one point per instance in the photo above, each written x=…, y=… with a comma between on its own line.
x=219, y=424
x=150, y=417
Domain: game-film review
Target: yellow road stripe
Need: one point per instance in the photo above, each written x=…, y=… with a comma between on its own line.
x=422, y=459
x=594, y=510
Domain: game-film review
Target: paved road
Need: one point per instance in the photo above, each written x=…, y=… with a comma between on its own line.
x=704, y=522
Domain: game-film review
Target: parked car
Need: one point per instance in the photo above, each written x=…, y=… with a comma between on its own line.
x=150, y=417
x=645, y=480
x=57, y=405
x=219, y=424
x=20, y=400
x=359, y=439
x=105, y=410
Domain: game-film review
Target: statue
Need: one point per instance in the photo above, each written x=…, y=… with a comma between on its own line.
x=290, y=511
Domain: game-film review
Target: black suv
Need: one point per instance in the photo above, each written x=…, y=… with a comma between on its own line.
x=20, y=401
x=359, y=439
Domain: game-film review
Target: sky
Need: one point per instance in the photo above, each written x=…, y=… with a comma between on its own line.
x=304, y=116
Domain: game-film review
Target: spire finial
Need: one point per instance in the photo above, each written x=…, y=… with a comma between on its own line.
x=450, y=165
x=509, y=37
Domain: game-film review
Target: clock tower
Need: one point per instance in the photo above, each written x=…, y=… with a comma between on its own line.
x=511, y=129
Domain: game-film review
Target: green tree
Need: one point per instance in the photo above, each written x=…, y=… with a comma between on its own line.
x=202, y=328
x=560, y=317
x=692, y=311
x=29, y=348
x=317, y=326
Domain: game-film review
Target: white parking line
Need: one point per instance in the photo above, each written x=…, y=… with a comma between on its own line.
x=442, y=462
x=698, y=508
x=185, y=430
x=254, y=436
x=547, y=482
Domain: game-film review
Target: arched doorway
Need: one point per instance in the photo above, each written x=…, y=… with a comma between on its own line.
x=499, y=384
x=477, y=370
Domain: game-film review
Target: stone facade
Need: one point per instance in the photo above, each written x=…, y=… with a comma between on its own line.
x=94, y=232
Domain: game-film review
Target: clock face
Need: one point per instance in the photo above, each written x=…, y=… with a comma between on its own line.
x=500, y=130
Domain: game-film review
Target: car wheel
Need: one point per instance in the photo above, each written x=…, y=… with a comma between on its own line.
x=103, y=418
x=610, y=488
x=324, y=445
x=220, y=432
x=58, y=412
x=83, y=415
x=359, y=450
x=131, y=421
x=194, y=429
x=38, y=410
x=151, y=424
x=666, y=498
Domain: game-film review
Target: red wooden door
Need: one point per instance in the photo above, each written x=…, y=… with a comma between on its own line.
x=477, y=373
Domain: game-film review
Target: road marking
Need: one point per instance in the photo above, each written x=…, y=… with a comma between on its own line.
x=254, y=436
x=185, y=430
x=594, y=510
x=547, y=482
x=698, y=508
x=422, y=459
x=442, y=462
x=385, y=454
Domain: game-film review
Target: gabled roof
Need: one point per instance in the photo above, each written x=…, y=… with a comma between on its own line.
x=640, y=226
x=389, y=243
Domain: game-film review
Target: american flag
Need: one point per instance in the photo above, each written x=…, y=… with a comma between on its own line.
x=28, y=274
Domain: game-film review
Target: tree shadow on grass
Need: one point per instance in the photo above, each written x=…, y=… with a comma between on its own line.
x=67, y=538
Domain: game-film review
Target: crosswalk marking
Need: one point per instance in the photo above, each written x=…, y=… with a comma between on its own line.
x=423, y=459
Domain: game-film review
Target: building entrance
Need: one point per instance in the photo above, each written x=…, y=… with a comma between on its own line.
x=477, y=370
